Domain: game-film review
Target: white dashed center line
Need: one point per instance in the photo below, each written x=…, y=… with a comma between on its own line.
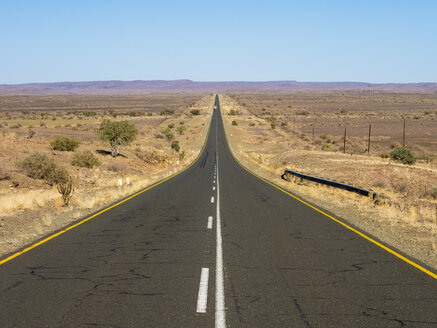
x=212, y=199
x=202, y=297
x=210, y=222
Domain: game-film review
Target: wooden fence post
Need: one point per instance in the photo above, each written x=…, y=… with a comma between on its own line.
x=368, y=144
x=344, y=141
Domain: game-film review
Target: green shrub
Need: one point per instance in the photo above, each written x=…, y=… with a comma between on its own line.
x=168, y=134
x=384, y=155
x=167, y=112
x=284, y=124
x=181, y=129
x=64, y=143
x=232, y=112
x=195, y=112
x=182, y=155
x=171, y=126
x=403, y=155
x=234, y=122
x=166, y=131
x=273, y=125
x=85, y=158
x=133, y=113
x=38, y=165
x=175, y=145
x=434, y=192
x=88, y=113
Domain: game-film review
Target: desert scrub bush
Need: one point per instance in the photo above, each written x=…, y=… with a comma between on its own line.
x=234, y=122
x=182, y=155
x=168, y=134
x=4, y=172
x=152, y=157
x=171, y=125
x=195, y=112
x=384, y=155
x=30, y=133
x=89, y=113
x=232, y=112
x=64, y=183
x=273, y=125
x=165, y=131
x=284, y=124
x=175, y=145
x=167, y=112
x=117, y=166
x=64, y=143
x=434, y=192
x=15, y=126
x=181, y=129
x=38, y=165
x=117, y=133
x=85, y=158
x=403, y=155
x=133, y=113
x=251, y=124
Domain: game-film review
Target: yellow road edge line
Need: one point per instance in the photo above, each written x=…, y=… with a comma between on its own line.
x=16, y=254
x=403, y=258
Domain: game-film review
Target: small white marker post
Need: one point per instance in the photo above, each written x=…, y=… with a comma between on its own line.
x=120, y=182
x=127, y=180
x=177, y=162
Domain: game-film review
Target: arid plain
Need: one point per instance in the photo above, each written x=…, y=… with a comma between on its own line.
x=31, y=208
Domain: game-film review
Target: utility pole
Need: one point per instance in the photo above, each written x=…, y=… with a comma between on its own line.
x=368, y=144
x=403, y=135
x=344, y=141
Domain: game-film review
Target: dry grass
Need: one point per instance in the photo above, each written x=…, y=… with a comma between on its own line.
x=30, y=208
x=407, y=222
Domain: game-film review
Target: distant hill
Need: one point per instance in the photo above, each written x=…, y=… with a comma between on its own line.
x=161, y=86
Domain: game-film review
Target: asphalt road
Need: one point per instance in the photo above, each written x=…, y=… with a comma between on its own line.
x=264, y=259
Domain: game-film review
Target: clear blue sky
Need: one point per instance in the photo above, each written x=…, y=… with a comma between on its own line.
x=77, y=40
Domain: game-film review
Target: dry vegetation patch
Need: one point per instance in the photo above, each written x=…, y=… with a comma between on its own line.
x=409, y=220
x=31, y=206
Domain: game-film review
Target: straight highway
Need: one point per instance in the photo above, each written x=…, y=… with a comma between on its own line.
x=214, y=246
